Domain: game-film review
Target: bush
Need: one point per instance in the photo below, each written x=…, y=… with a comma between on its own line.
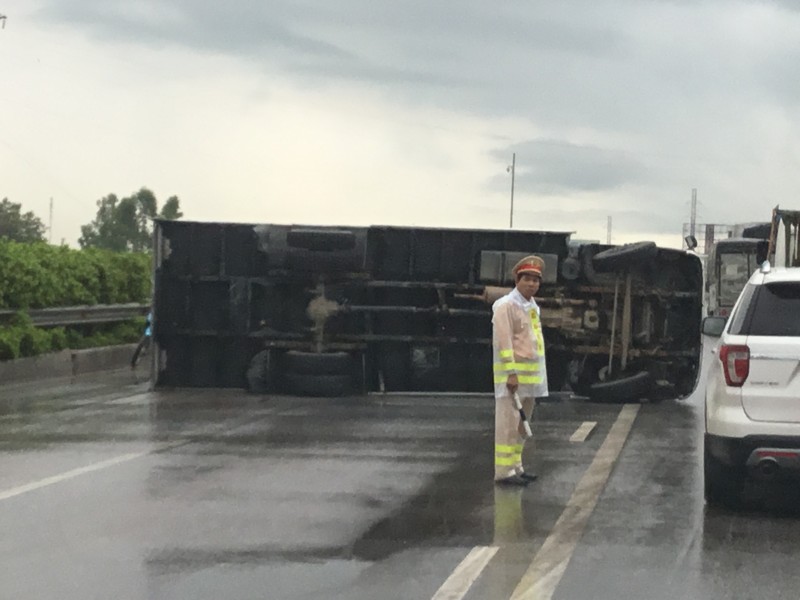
x=58, y=339
x=39, y=275
x=21, y=339
x=127, y=332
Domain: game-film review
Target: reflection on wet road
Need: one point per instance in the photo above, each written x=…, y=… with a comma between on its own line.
x=108, y=490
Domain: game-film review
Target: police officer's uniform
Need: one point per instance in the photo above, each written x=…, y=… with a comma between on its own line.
x=518, y=347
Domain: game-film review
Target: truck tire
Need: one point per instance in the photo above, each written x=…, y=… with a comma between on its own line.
x=722, y=483
x=625, y=389
x=624, y=257
x=321, y=239
x=586, y=254
x=318, y=363
x=318, y=385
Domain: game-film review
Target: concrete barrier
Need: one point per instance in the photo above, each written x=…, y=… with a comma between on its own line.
x=66, y=363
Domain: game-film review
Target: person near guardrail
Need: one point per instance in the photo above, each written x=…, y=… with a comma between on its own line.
x=144, y=343
x=518, y=367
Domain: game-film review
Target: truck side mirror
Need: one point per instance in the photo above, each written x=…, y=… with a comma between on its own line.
x=691, y=242
x=713, y=326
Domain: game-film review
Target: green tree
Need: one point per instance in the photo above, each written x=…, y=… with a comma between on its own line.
x=127, y=225
x=171, y=209
x=19, y=227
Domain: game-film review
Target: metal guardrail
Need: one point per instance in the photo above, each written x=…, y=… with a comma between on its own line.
x=81, y=315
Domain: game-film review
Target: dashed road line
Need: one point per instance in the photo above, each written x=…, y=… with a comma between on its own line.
x=104, y=464
x=582, y=432
x=465, y=574
x=71, y=474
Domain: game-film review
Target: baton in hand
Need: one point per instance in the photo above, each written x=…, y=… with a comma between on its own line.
x=523, y=419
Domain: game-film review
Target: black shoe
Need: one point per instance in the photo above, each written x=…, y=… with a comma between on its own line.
x=528, y=476
x=512, y=480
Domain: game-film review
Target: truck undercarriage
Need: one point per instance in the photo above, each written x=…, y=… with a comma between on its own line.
x=328, y=311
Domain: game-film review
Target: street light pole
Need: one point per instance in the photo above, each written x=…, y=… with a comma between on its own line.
x=512, y=168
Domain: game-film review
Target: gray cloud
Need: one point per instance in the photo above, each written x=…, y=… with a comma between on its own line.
x=571, y=63
x=553, y=166
x=635, y=218
x=677, y=93
x=478, y=45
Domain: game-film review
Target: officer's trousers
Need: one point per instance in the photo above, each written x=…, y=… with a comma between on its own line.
x=509, y=435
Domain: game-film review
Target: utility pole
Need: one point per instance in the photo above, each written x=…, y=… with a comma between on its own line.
x=608, y=230
x=693, y=217
x=511, y=170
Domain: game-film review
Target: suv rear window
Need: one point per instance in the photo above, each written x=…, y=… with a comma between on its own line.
x=773, y=310
x=739, y=313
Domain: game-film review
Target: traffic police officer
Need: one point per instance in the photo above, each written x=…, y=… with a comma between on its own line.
x=519, y=367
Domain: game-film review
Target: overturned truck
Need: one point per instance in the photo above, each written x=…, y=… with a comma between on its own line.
x=338, y=310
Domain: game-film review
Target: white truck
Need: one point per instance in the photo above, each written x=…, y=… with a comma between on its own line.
x=732, y=261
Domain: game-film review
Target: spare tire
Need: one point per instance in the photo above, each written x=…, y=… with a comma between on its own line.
x=626, y=389
x=624, y=257
x=321, y=239
x=318, y=363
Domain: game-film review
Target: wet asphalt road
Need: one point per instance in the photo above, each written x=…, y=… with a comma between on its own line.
x=108, y=490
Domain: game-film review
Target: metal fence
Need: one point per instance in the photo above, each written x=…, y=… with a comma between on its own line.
x=80, y=315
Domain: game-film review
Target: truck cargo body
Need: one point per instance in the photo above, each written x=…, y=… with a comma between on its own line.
x=408, y=308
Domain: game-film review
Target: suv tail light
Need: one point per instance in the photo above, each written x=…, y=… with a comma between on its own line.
x=735, y=364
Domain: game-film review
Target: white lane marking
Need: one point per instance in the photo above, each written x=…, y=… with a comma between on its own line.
x=35, y=485
x=465, y=574
x=549, y=564
x=582, y=432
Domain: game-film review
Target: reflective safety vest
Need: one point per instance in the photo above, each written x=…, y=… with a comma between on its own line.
x=518, y=346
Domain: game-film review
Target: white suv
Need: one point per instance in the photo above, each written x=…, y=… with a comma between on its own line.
x=753, y=390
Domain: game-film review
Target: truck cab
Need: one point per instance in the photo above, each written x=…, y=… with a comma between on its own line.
x=729, y=266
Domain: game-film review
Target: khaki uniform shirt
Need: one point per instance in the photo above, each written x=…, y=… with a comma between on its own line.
x=518, y=346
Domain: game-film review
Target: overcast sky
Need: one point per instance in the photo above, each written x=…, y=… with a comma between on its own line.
x=405, y=113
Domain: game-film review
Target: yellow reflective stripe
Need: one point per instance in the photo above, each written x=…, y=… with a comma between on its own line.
x=510, y=449
x=506, y=353
x=537, y=332
x=505, y=461
x=515, y=366
x=520, y=378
